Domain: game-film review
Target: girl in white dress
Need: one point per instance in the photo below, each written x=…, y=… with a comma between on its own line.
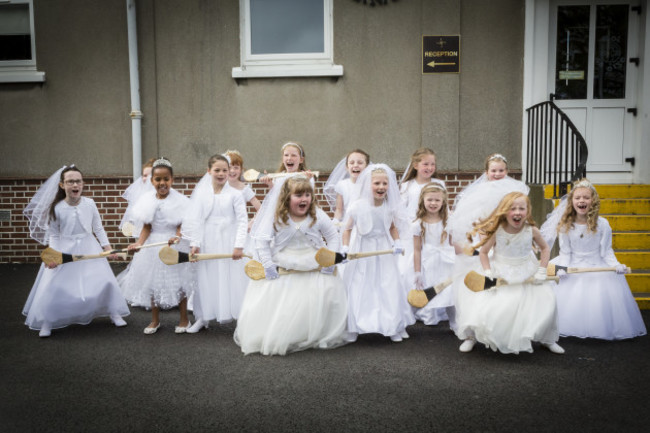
x=132, y=194
x=340, y=186
x=433, y=257
x=148, y=281
x=76, y=292
x=592, y=304
x=301, y=310
x=376, y=292
x=293, y=163
x=234, y=178
x=420, y=171
x=216, y=223
x=508, y=318
x=480, y=198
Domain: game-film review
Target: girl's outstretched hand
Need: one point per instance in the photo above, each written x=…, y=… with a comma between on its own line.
x=237, y=253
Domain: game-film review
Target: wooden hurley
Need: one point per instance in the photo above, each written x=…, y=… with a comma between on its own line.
x=50, y=255
x=420, y=298
x=252, y=175
x=128, y=229
x=255, y=270
x=552, y=270
x=170, y=256
x=327, y=258
x=477, y=282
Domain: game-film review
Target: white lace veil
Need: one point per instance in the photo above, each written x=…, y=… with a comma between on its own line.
x=37, y=210
x=549, y=228
x=339, y=173
x=262, y=228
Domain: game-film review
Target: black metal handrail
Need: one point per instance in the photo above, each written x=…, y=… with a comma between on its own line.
x=557, y=152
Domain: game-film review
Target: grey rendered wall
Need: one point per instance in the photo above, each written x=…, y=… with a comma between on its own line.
x=193, y=107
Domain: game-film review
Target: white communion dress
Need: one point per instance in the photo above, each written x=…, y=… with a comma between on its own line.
x=296, y=311
x=147, y=279
x=509, y=318
x=594, y=304
x=437, y=262
x=76, y=292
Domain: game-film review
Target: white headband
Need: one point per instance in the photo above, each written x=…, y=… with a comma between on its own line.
x=291, y=143
x=497, y=156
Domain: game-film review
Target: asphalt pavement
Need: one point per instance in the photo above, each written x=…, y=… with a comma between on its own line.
x=99, y=378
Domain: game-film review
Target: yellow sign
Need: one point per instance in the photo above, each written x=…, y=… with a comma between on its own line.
x=572, y=75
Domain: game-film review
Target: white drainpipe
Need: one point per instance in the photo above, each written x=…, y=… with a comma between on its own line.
x=136, y=114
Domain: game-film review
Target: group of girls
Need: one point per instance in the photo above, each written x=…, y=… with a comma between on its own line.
x=408, y=236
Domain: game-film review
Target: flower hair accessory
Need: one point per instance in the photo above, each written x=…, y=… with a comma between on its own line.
x=498, y=156
x=291, y=143
x=162, y=162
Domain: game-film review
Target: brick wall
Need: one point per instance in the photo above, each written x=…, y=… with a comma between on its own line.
x=16, y=246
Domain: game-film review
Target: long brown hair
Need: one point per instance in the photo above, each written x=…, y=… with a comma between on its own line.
x=293, y=185
x=488, y=226
x=417, y=156
x=60, y=193
x=568, y=219
x=303, y=165
x=422, y=212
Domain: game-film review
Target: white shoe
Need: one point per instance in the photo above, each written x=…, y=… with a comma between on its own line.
x=351, y=337
x=45, y=331
x=118, y=321
x=182, y=329
x=198, y=325
x=396, y=338
x=404, y=334
x=555, y=348
x=150, y=331
x=467, y=345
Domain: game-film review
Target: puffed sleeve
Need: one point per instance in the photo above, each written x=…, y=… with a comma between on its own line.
x=98, y=228
x=328, y=230
x=416, y=228
x=606, y=251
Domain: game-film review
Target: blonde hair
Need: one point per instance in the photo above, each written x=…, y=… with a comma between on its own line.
x=417, y=156
x=488, y=226
x=495, y=157
x=303, y=165
x=443, y=212
x=569, y=217
x=293, y=185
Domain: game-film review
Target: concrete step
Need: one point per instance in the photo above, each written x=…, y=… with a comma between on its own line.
x=638, y=282
x=631, y=206
x=629, y=223
x=643, y=300
x=622, y=191
x=638, y=261
x=631, y=241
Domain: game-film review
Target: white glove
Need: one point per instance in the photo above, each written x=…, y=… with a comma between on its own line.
x=561, y=274
x=540, y=275
x=418, y=281
x=328, y=270
x=398, y=248
x=621, y=269
x=271, y=273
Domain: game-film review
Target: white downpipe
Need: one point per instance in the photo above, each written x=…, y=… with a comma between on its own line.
x=136, y=114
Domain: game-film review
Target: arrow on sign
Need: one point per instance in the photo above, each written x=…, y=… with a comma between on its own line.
x=434, y=64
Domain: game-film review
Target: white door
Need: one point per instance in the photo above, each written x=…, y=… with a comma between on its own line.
x=592, y=77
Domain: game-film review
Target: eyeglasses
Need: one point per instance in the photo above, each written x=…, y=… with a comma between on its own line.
x=74, y=182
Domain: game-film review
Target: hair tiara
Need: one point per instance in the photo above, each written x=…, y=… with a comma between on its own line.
x=291, y=143
x=498, y=156
x=162, y=162
x=584, y=183
x=433, y=186
x=236, y=152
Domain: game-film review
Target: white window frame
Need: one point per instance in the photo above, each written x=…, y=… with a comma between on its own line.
x=22, y=71
x=286, y=65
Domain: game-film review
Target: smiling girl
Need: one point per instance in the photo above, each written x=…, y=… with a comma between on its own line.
x=217, y=223
x=510, y=317
x=76, y=292
x=377, y=295
x=301, y=310
x=594, y=304
x=148, y=282
x=293, y=162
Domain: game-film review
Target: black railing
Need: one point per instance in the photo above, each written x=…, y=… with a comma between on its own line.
x=557, y=152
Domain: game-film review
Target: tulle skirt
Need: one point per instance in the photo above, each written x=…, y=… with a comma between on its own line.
x=74, y=293
x=376, y=293
x=437, y=266
x=507, y=318
x=598, y=305
x=293, y=312
x=148, y=279
x=220, y=285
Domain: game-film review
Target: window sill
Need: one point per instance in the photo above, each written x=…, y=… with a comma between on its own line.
x=266, y=71
x=22, y=77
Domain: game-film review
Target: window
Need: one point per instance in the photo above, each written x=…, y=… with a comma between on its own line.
x=17, y=46
x=286, y=38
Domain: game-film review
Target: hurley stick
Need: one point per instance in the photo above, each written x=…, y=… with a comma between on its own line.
x=552, y=269
x=50, y=255
x=252, y=175
x=420, y=298
x=477, y=282
x=327, y=258
x=170, y=256
x=255, y=270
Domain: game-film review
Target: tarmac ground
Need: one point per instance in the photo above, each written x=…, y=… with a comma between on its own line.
x=99, y=378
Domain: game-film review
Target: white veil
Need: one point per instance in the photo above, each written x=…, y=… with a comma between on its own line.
x=37, y=210
x=339, y=173
x=549, y=228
